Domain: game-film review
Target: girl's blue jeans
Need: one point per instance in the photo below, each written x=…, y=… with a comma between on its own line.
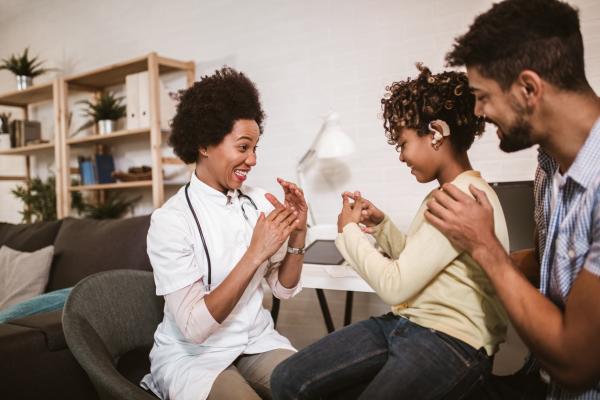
x=386, y=357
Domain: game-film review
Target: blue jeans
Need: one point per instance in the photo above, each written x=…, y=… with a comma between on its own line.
x=385, y=357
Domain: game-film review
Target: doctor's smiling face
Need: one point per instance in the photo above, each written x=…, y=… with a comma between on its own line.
x=225, y=166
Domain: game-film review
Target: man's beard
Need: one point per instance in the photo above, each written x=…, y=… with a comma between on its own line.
x=518, y=136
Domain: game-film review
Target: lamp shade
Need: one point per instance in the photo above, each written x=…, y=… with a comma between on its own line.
x=333, y=141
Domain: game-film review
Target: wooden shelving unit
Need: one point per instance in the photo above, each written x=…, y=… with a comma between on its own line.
x=111, y=186
x=115, y=136
x=97, y=81
x=22, y=99
x=32, y=95
x=27, y=150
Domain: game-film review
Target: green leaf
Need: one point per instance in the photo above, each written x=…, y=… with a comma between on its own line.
x=39, y=200
x=114, y=206
x=107, y=106
x=24, y=66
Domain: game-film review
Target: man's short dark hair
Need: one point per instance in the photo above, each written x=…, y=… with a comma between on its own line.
x=516, y=35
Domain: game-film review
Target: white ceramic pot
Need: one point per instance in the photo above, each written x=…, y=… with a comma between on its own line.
x=24, y=82
x=106, y=126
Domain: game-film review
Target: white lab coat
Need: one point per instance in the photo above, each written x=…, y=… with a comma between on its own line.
x=181, y=369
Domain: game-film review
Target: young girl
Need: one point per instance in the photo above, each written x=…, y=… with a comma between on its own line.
x=446, y=322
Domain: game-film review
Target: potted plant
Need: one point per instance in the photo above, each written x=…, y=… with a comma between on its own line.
x=39, y=200
x=114, y=206
x=24, y=68
x=104, y=112
x=4, y=131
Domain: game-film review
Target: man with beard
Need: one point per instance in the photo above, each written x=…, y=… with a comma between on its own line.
x=525, y=65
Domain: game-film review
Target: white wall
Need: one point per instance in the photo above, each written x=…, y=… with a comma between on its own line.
x=307, y=57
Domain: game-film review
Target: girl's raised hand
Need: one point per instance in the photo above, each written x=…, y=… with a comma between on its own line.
x=370, y=215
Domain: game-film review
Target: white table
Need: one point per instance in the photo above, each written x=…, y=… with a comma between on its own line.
x=332, y=277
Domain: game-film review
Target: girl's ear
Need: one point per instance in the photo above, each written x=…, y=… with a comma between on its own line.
x=203, y=152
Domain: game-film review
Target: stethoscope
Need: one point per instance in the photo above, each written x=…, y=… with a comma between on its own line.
x=187, y=197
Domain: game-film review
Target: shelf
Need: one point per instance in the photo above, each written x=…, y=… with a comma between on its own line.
x=111, y=186
x=108, y=137
x=115, y=74
x=26, y=150
x=34, y=94
x=12, y=178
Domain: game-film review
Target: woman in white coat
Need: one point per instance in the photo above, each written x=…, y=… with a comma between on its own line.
x=213, y=243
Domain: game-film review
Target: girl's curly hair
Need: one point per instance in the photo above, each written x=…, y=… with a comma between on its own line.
x=414, y=103
x=208, y=110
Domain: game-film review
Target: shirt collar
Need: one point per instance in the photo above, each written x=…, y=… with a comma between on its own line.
x=205, y=191
x=586, y=167
x=465, y=174
x=546, y=162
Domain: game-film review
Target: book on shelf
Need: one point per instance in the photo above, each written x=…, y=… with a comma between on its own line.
x=87, y=171
x=137, y=99
x=131, y=101
x=105, y=166
x=24, y=132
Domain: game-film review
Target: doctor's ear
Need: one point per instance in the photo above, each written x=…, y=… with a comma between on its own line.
x=203, y=152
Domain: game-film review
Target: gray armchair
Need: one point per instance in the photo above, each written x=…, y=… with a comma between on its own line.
x=109, y=321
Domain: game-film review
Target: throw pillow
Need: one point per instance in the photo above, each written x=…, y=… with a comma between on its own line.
x=23, y=275
x=86, y=246
x=28, y=237
x=39, y=304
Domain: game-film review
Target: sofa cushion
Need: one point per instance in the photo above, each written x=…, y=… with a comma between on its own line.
x=30, y=370
x=50, y=326
x=23, y=275
x=86, y=246
x=28, y=237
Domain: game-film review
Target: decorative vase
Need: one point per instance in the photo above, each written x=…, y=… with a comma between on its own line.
x=24, y=82
x=106, y=126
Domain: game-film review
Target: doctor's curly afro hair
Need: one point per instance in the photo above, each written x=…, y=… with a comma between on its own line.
x=208, y=110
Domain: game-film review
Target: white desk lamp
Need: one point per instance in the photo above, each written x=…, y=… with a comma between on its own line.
x=331, y=142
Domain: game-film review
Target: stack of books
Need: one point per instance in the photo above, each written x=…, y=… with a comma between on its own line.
x=25, y=132
x=98, y=169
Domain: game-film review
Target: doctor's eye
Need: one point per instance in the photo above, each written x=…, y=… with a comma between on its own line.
x=243, y=148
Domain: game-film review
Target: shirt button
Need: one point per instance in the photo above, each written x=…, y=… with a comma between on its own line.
x=571, y=253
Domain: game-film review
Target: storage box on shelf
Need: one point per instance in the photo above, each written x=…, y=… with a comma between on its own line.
x=152, y=66
x=23, y=99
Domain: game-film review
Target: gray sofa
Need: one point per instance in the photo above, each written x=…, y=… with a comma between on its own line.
x=35, y=361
